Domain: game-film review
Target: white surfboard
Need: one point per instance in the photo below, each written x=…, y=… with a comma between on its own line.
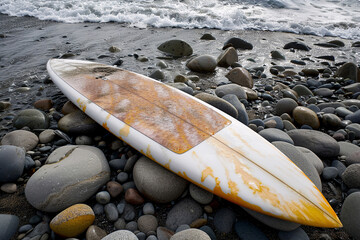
x=194, y=140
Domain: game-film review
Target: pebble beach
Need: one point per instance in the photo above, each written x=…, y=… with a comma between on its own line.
x=63, y=176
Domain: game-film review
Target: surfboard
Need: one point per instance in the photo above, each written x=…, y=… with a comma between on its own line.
x=194, y=140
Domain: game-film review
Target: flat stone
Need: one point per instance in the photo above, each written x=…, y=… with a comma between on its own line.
x=9, y=188
x=57, y=184
x=200, y=195
x=184, y=212
x=248, y=231
x=301, y=90
x=354, y=127
x=8, y=226
x=157, y=183
x=121, y=235
x=313, y=158
x=297, y=45
x=32, y=118
x=351, y=176
x=190, y=234
x=77, y=123
x=350, y=213
x=241, y=77
x=177, y=48
x=242, y=114
x=203, y=63
x=323, y=92
x=218, y=103
x=231, y=88
x=238, y=43
x=73, y=220
x=285, y=105
x=111, y=212
x=318, y=142
x=12, y=162
x=147, y=223
x=274, y=134
x=21, y=138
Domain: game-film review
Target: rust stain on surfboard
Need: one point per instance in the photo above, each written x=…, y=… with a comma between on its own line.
x=154, y=109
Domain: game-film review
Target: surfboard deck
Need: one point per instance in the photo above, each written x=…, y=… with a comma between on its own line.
x=194, y=140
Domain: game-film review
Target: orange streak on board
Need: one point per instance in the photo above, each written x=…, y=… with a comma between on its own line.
x=154, y=109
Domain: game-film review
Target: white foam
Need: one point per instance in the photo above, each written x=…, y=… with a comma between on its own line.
x=322, y=17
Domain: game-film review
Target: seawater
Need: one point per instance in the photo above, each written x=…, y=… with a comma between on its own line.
x=322, y=17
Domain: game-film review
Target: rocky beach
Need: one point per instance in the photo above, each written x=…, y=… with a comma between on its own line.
x=63, y=176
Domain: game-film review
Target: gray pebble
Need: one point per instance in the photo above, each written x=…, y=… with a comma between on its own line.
x=330, y=173
x=224, y=220
x=103, y=197
x=148, y=209
x=111, y=212
x=298, y=234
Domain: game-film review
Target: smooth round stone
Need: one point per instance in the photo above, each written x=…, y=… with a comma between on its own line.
x=177, y=48
x=318, y=142
x=147, y=223
x=8, y=226
x=157, y=183
x=203, y=63
x=298, y=234
x=209, y=232
x=347, y=149
x=241, y=77
x=64, y=181
x=161, y=64
x=354, y=117
x=274, y=134
x=83, y=140
x=4, y=105
x=69, y=107
x=120, y=224
x=285, y=105
x=47, y=136
x=21, y=138
x=288, y=125
x=354, y=88
x=200, y=195
x=238, y=43
x=231, y=88
x=330, y=173
x=12, y=162
x=118, y=163
x=227, y=57
x=349, y=70
x=157, y=74
x=190, y=234
x=39, y=230
x=350, y=213
x=351, y=176
x=77, y=123
x=73, y=220
x=301, y=90
x=242, y=114
x=354, y=127
x=133, y=197
x=114, y=188
x=130, y=163
x=131, y=226
x=305, y=116
x=44, y=104
x=31, y=118
x=184, y=212
x=122, y=177
x=95, y=233
x=111, y=212
x=310, y=72
x=339, y=165
x=103, y=197
x=219, y=103
x=224, y=220
x=354, y=158
x=323, y=92
x=148, y=209
x=301, y=161
x=248, y=231
x=276, y=122
x=297, y=45
x=331, y=121
x=141, y=236
x=9, y=188
x=128, y=213
x=182, y=227
x=182, y=87
x=152, y=237
x=98, y=209
x=315, y=160
x=121, y=235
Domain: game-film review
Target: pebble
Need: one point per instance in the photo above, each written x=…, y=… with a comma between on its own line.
x=207, y=36
x=43, y=104
x=25, y=228
x=8, y=226
x=298, y=234
x=98, y=209
x=147, y=223
x=77, y=123
x=350, y=213
x=122, y=177
x=200, y=195
x=323, y=92
x=190, y=234
x=231, y=88
x=301, y=90
x=203, y=63
x=354, y=117
x=68, y=107
x=351, y=176
x=73, y=220
x=47, y=136
x=355, y=128
x=310, y=72
x=39, y=230
x=12, y=161
x=21, y=138
x=148, y=209
x=242, y=114
x=114, y=188
x=163, y=233
x=83, y=140
x=121, y=234
x=9, y=188
x=133, y=197
x=182, y=87
x=350, y=151
x=103, y=197
x=177, y=48
x=224, y=220
x=238, y=43
x=277, y=55
x=313, y=158
x=184, y=212
x=31, y=118
x=339, y=165
x=120, y=224
x=65, y=181
x=248, y=231
x=305, y=116
x=318, y=142
x=4, y=105
x=330, y=173
x=118, y=163
x=241, y=77
x=157, y=183
x=219, y=103
x=128, y=212
x=95, y=233
x=297, y=45
x=331, y=121
x=111, y=212
x=131, y=226
x=285, y=105
x=227, y=57
x=275, y=122
x=274, y=134
x=349, y=70
x=157, y=74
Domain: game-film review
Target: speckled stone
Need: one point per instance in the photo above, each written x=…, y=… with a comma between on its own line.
x=147, y=223
x=32, y=118
x=73, y=220
x=177, y=48
x=190, y=234
x=121, y=235
x=351, y=176
x=21, y=138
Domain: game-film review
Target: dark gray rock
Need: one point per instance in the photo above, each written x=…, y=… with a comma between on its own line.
x=12, y=161
x=242, y=114
x=349, y=70
x=248, y=231
x=8, y=226
x=231, y=88
x=224, y=220
x=318, y=142
x=218, y=103
x=350, y=214
x=330, y=173
x=297, y=45
x=77, y=123
x=354, y=127
x=278, y=122
x=21, y=138
x=274, y=134
x=351, y=176
x=285, y=105
x=313, y=158
x=32, y=118
x=184, y=212
x=177, y=48
x=297, y=234
x=203, y=63
x=238, y=43
x=354, y=117
x=182, y=87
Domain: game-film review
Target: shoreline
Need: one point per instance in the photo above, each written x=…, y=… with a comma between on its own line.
x=28, y=43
